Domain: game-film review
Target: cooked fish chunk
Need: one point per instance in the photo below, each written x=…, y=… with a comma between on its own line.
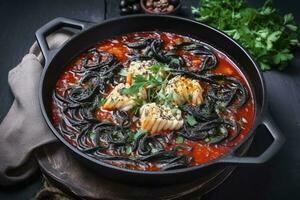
x=116, y=100
x=138, y=68
x=156, y=118
x=182, y=90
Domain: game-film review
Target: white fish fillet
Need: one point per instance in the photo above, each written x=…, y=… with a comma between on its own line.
x=157, y=118
x=138, y=68
x=184, y=90
x=116, y=100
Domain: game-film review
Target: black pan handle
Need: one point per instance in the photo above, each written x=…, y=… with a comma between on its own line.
x=51, y=27
x=278, y=141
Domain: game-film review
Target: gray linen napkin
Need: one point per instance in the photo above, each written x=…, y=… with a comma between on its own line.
x=23, y=130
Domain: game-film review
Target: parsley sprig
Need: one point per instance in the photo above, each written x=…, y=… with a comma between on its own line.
x=151, y=80
x=267, y=35
x=154, y=81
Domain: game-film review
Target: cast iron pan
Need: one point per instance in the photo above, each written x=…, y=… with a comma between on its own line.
x=90, y=34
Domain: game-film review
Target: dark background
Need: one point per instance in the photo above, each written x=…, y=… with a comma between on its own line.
x=278, y=179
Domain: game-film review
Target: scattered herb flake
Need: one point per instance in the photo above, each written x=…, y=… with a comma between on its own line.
x=92, y=135
x=128, y=150
x=123, y=72
x=191, y=120
x=101, y=103
x=175, y=61
x=179, y=140
x=131, y=135
x=138, y=133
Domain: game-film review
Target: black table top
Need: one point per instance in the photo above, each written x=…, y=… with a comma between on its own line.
x=277, y=179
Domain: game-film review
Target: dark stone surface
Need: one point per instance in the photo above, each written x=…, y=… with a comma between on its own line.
x=277, y=179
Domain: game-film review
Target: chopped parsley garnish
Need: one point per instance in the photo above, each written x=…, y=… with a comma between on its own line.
x=175, y=61
x=92, y=135
x=101, y=103
x=179, y=140
x=123, y=72
x=191, y=120
x=128, y=150
x=138, y=133
x=166, y=97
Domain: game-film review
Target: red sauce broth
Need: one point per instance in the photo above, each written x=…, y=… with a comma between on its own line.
x=201, y=152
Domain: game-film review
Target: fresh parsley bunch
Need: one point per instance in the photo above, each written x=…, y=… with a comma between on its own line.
x=267, y=35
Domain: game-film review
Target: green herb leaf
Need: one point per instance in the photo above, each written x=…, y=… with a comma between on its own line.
x=159, y=67
x=133, y=89
x=155, y=68
x=138, y=133
x=123, y=72
x=179, y=140
x=92, y=135
x=128, y=150
x=191, y=120
x=139, y=79
x=101, y=103
x=292, y=27
x=175, y=61
x=130, y=134
x=288, y=18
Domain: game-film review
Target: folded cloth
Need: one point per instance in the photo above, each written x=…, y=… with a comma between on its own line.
x=24, y=130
